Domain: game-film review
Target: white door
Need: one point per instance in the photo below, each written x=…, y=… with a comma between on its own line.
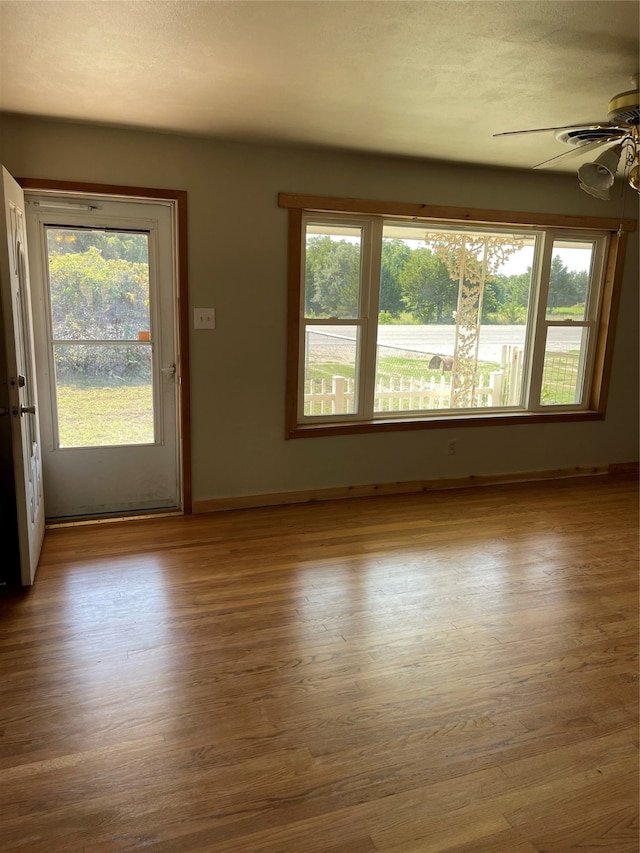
x=19, y=393
x=104, y=288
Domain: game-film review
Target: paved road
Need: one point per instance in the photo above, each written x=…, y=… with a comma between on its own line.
x=440, y=339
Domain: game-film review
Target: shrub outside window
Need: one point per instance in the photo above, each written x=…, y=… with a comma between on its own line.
x=423, y=321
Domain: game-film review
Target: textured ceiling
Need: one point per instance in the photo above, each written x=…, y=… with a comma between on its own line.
x=423, y=79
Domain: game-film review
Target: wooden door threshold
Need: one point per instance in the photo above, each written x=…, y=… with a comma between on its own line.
x=107, y=518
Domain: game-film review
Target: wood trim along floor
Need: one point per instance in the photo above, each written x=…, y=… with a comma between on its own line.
x=110, y=519
x=408, y=487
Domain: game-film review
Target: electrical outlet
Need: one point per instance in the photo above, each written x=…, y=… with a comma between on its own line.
x=451, y=447
x=204, y=318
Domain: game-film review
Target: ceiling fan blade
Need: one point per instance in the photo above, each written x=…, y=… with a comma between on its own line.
x=594, y=124
x=578, y=151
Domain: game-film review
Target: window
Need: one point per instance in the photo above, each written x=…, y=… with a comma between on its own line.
x=409, y=321
x=99, y=320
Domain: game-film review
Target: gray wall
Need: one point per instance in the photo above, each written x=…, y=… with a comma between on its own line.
x=237, y=257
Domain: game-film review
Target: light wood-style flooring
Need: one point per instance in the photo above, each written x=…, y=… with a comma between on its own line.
x=450, y=671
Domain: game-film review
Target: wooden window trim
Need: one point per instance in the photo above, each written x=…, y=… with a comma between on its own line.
x=608, y=318
x=614, y=266
x=180, y=197
x=476, y=216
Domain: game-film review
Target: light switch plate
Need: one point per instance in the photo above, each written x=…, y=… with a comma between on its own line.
x=204, y=318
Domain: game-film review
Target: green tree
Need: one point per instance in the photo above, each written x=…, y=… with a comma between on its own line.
x=512, y=299
x=318, y=250
x=395, y=254
x=490, y=302
x=95, y=298
x=564, y=289
x=120, y=245
x=332, y=282
x=427, y=289
x=581, y=284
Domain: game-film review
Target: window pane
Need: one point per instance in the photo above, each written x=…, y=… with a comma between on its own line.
x=332, y=271
x=331, y=355
x=99, y=284
x=452, y=323
x=569, y=280
x=104, y=395
x=409, y=375
x=562, y=375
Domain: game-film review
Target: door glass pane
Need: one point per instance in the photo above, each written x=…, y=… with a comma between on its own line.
x=452, y=322
x=99, y=284
x=104, y=395
x=331, y=354
x=99, y=291
x=562, y=375
x=332, y=271
x=569, y=280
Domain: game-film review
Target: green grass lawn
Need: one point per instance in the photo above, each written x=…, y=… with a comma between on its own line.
x=101, y=415
x=389, y=366
x=560, y=378
x=94, y=416
x=559, y=382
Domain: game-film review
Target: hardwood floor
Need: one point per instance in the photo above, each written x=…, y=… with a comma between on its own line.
x=452, y=671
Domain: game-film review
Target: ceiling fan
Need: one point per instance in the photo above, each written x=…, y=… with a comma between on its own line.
x=619, y=136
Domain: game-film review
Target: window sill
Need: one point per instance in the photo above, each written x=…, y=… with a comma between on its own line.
x=443, y=422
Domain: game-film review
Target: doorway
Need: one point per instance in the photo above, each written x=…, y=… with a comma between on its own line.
x=107, y=312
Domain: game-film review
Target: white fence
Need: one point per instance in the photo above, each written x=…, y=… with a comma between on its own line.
x=404, y=394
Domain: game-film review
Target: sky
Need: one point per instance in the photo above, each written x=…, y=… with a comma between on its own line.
x=575, y=260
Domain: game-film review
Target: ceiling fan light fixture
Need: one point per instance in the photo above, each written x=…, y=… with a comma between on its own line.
x=597, y=177
x=621, y=128
x=603, y=195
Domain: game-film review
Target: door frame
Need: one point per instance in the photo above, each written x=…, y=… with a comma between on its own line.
x=179, y=197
